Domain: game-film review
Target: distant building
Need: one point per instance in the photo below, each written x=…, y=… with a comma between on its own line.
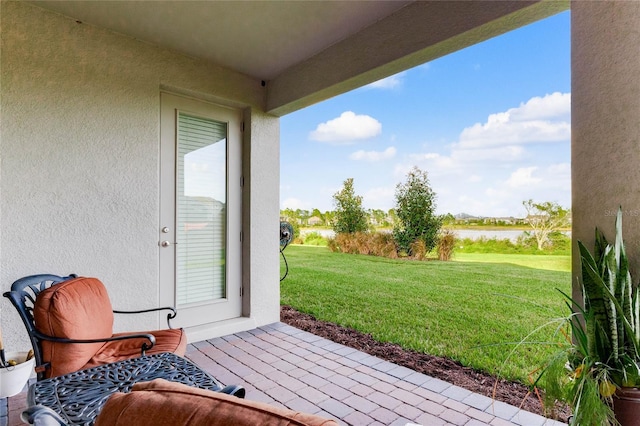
x=314, y=221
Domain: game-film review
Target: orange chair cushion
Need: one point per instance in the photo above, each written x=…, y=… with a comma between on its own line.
x=75, y=309
x=80, y=309
x=169, y=340
x=161, y=402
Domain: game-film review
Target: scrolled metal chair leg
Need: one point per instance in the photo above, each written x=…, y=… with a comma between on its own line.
x=40, y=415
x=234, y=390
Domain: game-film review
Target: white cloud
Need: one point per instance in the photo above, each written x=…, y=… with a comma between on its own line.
x=431, y=161
x=559, y=176
x=493, y=155
x=381, y=196
x=347, y=128
x=549, y=183
x=556, y=106
x=523, y=177
x=503, y=141
x=496, y=193
x=425, y=156
x=373, y=156
x=390, y=82
x=295, y=203
x=540, y=119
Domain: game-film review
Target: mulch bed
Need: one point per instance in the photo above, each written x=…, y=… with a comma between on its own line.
x=442, y=368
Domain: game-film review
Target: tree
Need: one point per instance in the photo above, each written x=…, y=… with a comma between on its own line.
x=392, y=216
x=545, y=218
x=378, y=217
x=349, y=216
x=415, y=211
x=290, y=215
x=329, y=218
x=303, y=215
x=317, y=213
x=449, y=219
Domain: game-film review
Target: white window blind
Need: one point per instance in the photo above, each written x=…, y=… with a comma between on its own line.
x=201, y=210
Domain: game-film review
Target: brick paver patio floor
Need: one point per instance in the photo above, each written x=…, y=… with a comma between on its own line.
x=287, y=367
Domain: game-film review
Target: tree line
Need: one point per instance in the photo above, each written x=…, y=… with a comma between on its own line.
x=416, y=229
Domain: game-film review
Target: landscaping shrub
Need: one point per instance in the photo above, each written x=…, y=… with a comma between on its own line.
x=488, y=245
x=560, y=243
x=418, y=249
x=525, y=244
x=343, y=243
x=526, y=241
x=384, y=245
x=376, y=244
x=446, y=244
x=333, y=245
x=314, y=239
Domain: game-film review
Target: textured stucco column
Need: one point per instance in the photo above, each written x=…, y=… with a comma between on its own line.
x=605, y=55
x=261, y=211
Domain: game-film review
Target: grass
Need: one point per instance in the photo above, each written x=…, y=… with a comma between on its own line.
x=471, y=311
x=551, y=263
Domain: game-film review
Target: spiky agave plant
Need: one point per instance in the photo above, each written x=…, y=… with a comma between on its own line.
x=603, y=354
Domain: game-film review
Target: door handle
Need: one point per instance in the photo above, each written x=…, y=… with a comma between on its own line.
x=166, y=243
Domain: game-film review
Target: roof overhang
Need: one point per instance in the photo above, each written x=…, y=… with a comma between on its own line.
x=309, y=51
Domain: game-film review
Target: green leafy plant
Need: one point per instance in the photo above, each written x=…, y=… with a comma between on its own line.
x=603, y=336
x=349, y=215
x=415, y=210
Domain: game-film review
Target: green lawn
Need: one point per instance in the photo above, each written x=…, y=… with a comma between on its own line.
x=551, y=263
x=467, y=310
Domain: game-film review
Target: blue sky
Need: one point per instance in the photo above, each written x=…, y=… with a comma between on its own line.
x=490, y=124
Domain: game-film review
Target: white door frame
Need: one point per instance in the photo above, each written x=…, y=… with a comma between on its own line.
x=230, y=306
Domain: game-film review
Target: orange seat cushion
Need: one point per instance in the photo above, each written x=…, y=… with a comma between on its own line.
x=161, y=402
x=80, y=309
x=75, y=309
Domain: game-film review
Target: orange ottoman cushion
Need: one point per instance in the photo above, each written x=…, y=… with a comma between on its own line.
x=161, y=402
x=75, y=309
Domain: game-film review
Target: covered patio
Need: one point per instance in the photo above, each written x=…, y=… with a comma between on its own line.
x=284, y=366
x=81, y=166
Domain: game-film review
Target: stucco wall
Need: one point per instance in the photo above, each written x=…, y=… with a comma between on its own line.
x=262, y=165
x=79, y=155
x=605, y=119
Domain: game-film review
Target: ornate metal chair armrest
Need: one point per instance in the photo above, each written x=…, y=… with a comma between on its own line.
x=150, y=337
x=170, y=316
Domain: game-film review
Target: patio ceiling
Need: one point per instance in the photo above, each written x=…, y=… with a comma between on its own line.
x=308, y=51
x=258, y=38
